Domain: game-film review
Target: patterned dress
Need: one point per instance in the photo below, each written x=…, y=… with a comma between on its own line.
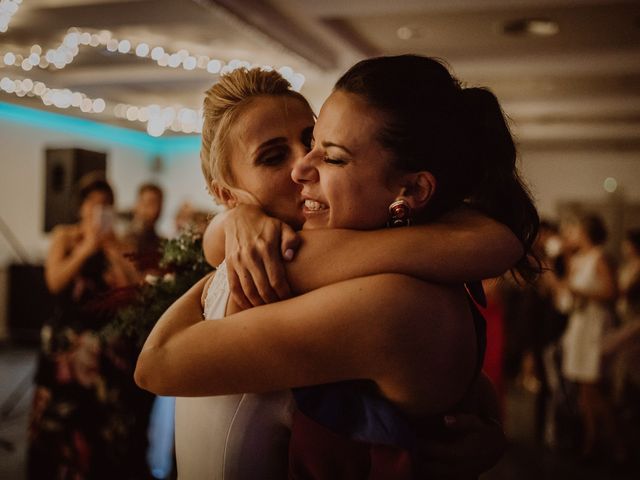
x=89, y=419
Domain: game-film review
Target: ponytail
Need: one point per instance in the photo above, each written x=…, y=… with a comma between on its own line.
x=497, y=189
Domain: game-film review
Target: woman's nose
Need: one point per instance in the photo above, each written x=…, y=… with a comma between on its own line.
x=304, y=170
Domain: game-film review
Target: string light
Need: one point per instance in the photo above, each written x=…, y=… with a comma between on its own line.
x=65, y=53
x=142, y=50
x=57, y=97
x=8, y=9
x=158, y=119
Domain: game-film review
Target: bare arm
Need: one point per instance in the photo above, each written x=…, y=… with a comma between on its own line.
x=372, y=327
x=461, y=247
x=182, y=314
x=62, y=265
x=253, y=242
x=122, y=271
x=213, y=239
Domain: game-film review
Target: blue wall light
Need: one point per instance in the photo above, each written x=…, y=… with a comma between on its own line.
x=163, y=146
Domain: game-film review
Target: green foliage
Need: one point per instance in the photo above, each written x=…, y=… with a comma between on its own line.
x=182, y=264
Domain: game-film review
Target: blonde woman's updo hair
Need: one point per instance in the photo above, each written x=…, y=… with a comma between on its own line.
x=223, y=104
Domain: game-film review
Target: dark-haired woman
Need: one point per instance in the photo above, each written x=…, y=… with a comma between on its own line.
x=83, y=423
x=591, y=285
x=414, y=347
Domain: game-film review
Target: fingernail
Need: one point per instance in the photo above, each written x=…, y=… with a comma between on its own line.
x=449, y=420
x=288, y=254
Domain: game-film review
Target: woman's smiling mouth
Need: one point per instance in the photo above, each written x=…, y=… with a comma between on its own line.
x=313, y=206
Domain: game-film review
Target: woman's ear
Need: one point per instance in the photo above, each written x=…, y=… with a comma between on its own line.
x=232, y=197
x=419, y=188
x=224, y=195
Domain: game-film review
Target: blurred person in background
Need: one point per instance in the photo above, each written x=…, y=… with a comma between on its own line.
x=622, y=347
x=142, y=236
x=550, y=322
x=142, y=241
x=591, y=287
x=533, y=323
x=628, y=305
x=81, y=423
x=189, y=218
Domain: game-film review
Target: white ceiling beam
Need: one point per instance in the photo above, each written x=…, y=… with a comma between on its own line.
x=351, y=8
x=572, y=64
x=269, y=23
x=577, y=131
x=126, y=75
x=576, y=108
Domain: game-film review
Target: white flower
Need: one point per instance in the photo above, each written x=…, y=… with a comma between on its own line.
x=169, y=277
x=151, y=279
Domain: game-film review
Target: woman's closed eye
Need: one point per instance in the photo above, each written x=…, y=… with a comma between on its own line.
x=273, y=157
x=334, y=161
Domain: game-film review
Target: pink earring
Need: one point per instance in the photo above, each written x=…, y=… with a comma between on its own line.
x=399, y=214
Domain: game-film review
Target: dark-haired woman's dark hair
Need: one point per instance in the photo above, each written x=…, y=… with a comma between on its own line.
x=93, y=182
x=458, y=134
x=594, y=227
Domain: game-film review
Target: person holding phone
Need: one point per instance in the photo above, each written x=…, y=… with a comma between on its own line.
x=83, y=422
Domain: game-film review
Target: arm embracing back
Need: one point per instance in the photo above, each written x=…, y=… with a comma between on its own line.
x=463, y=246
x=374, y=327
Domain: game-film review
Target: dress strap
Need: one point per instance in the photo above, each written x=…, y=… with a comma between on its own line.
x=215, y=303
x=475, y=295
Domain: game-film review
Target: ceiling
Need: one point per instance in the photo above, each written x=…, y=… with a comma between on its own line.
x=577, y=87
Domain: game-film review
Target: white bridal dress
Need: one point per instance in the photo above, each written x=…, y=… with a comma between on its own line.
x=233, y=437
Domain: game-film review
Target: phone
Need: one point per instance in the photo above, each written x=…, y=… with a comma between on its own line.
x=103, y=218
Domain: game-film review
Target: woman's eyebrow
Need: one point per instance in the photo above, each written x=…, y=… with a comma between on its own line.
x=269, y=143
x=326, y=144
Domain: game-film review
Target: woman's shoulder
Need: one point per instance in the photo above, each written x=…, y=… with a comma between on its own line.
x=66, y=233
x=414, y=298
x=425, y=324
x=406, y=283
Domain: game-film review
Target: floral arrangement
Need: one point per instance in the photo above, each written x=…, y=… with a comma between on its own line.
x=139, y=307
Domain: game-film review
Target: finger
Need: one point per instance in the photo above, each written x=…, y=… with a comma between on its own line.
x=249, y=288
x=278, y=278
x=275, y=272
x=244, y=279
x=463, y=422
x=236, y=291
x=290, y=242
x=262, y=252
x=262, y=283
